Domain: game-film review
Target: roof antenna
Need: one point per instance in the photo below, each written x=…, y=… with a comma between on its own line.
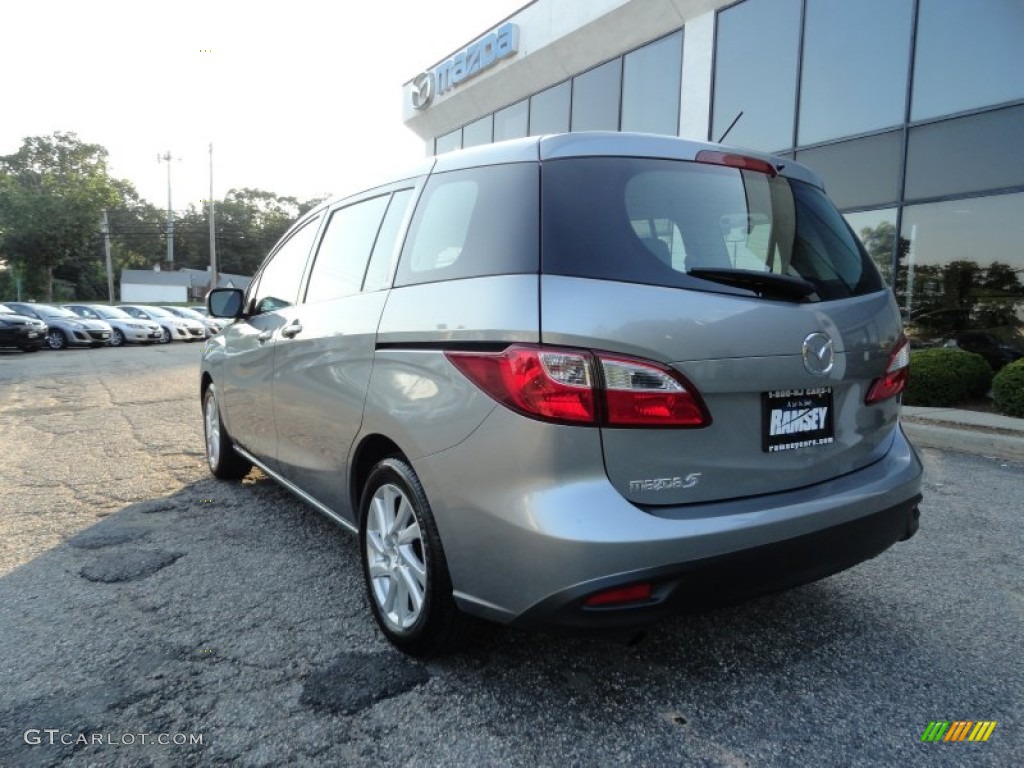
x=734, y=121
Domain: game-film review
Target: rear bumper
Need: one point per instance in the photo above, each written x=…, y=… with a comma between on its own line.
x=528, y=552
x=726, y=579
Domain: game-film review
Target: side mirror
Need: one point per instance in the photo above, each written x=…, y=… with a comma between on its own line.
x=225, y=302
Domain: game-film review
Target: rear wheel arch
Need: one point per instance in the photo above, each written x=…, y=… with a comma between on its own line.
x=371, y=450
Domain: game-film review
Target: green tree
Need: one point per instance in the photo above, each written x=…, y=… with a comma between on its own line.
x=52, y=195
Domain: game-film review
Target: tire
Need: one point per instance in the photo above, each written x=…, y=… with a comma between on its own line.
x=116, y=338
x=221, y=457
x=165, y=336
x=404, y=567
x=56, y=339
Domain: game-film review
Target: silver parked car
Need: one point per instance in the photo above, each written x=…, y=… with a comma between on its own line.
x=174, y=327
x=124, y=328
x=580, y=381
x=66, y=329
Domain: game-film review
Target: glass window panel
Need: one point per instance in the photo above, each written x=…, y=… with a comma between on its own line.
x=512, y=122
x=549, y=110
x=860, y=172
x=345, y=250
x=448, y=142
x=966, y=154
x=478, y=221
x=968, y=55
x=755, y=78
x=854, y=75
x=650, y=86
x=877, y=230
x=278, y=283
x=478, y=132
x=379, y=272
x=961, y=282
x=595, y=98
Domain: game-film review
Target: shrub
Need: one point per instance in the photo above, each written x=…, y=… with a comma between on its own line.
x=1008, y=389
x=946, y=376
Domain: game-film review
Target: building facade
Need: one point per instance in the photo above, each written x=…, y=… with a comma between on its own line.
x=911, y=110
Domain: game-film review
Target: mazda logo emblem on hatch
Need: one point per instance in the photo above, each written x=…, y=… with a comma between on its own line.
x=818, y=354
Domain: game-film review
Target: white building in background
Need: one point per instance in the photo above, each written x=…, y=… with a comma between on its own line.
x=147, y=286
x=911, y=110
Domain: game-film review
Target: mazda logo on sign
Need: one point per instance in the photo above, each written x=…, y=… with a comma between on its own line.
x=818, y=354
x=423, y=90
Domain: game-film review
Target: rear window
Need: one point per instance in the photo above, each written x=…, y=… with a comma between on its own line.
x=653, y=221
x=475, y=222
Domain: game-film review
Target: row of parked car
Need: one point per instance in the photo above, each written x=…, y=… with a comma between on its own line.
x=29, y=325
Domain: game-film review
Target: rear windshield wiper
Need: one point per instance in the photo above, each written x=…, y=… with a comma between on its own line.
x=764, y=284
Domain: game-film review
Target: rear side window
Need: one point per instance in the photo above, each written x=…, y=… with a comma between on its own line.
x=475, y=222
x=344, y=250
x=653, y=221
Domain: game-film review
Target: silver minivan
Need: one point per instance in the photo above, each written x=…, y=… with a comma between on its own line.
x=581, y=381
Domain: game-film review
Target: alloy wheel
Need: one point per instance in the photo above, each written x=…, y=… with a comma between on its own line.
x=395, y=558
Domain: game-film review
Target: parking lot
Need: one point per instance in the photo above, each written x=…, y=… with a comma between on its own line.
x=150, y=615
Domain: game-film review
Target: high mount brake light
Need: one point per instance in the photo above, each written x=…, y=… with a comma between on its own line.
x=732, y=160
x=561, y=385
x=896, y=374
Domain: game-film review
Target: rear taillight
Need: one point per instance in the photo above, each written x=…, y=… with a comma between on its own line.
x=562, y=385
x=896, y=373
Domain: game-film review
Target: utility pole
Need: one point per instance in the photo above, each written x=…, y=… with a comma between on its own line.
x=170, y=213
x=213, y=231
x=106, y=248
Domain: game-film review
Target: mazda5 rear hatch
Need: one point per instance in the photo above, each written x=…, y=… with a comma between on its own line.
x=740, y=340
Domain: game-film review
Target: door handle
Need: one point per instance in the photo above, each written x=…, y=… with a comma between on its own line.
x=265, y=336
x=293, y=330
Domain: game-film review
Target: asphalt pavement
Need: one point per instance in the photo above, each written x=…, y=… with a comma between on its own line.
x=143, y=602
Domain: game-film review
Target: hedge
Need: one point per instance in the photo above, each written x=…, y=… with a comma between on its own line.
x=944, y=377
x=1008, y=389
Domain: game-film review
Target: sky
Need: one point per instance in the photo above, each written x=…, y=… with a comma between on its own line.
x=298, y=98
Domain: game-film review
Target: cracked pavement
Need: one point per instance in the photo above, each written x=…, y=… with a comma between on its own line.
x=139, y=596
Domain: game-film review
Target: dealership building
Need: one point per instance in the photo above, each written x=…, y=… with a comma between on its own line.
x=912, y=111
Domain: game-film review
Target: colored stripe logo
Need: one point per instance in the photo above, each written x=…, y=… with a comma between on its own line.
x=958, y=730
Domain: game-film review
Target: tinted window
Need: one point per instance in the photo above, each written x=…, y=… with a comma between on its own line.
x=653, y=221
x=448, y=142
x=344, y=250
x=595, y=98
x=967, y=154
x=877, y=231
x=512, y=122
x=650, y=86
x=859, y=172
x=854, y=74
x=968, y=55
x=477, y=132
x=280, y=277
x=481, y=221
x=757, y=79
x=962, y=269
x=549, y=110
x=378, y=274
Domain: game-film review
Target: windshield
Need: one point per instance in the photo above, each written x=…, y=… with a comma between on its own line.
x=683, y=224
x=156, y=312
x=185, y=312
x=110, y=313
x=47, y=311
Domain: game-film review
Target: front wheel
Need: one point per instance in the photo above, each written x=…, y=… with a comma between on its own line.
x=404, y=566
x=165, y=336
x=116, y=338
x=56, y=339
x=224, y=462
